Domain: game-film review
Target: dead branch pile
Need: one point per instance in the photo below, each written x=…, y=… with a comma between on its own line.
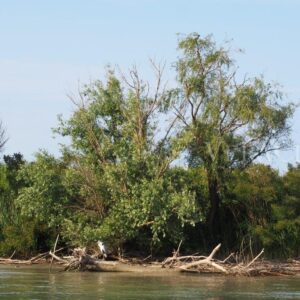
x=38, y=259
x=80, y=260
x=208, y=264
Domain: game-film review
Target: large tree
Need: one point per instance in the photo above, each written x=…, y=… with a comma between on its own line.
x=228, y=122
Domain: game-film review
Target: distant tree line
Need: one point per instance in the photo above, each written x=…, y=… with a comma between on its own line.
x=122, y=179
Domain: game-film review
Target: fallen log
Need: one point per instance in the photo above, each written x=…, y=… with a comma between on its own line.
x=54, y=256
x=15, y=261
x=171, y=260
x=205, y=261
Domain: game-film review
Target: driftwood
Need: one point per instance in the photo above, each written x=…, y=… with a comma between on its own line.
x=81, y=261
x=53, y=254
x=40, y=258
x=6, y=261
x=210, y=264
x=205, y=261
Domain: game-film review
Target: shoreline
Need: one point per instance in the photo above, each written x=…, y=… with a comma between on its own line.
x=259, y=268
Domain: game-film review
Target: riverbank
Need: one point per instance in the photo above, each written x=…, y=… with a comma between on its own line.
x=261, y=268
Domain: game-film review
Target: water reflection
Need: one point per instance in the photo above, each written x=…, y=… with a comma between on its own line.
x=38, y=283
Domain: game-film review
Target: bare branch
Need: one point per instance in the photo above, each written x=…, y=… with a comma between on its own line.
x=3, y=138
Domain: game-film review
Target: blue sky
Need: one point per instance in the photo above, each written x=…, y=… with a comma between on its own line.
x=49, y=47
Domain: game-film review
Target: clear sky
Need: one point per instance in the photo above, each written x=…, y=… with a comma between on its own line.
x=48, y=47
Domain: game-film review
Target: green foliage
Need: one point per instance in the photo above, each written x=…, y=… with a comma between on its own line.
x=250, y=195
x=44, y=195
x=281, y=236
x=9, y=186
x=18, y=237
x=154, y=204
x=265, y=209
x=18, y=233
x=252, y=192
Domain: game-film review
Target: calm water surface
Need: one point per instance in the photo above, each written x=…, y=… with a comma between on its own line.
x=38, y=283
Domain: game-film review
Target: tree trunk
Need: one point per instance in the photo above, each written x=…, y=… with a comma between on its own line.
x=214, y=222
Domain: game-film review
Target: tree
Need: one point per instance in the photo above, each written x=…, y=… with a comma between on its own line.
x=34, y=206
x=16, y=232
x=3, y=138
x=121, y=166
x=228, y=123
x=10, y=186
x=43, y=196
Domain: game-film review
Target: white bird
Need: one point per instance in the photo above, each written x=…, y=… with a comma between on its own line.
x=102, y=249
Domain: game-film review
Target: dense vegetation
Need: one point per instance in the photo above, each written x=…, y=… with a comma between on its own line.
x=122, y=178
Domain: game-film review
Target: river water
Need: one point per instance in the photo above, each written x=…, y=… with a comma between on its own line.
x=38, y=283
